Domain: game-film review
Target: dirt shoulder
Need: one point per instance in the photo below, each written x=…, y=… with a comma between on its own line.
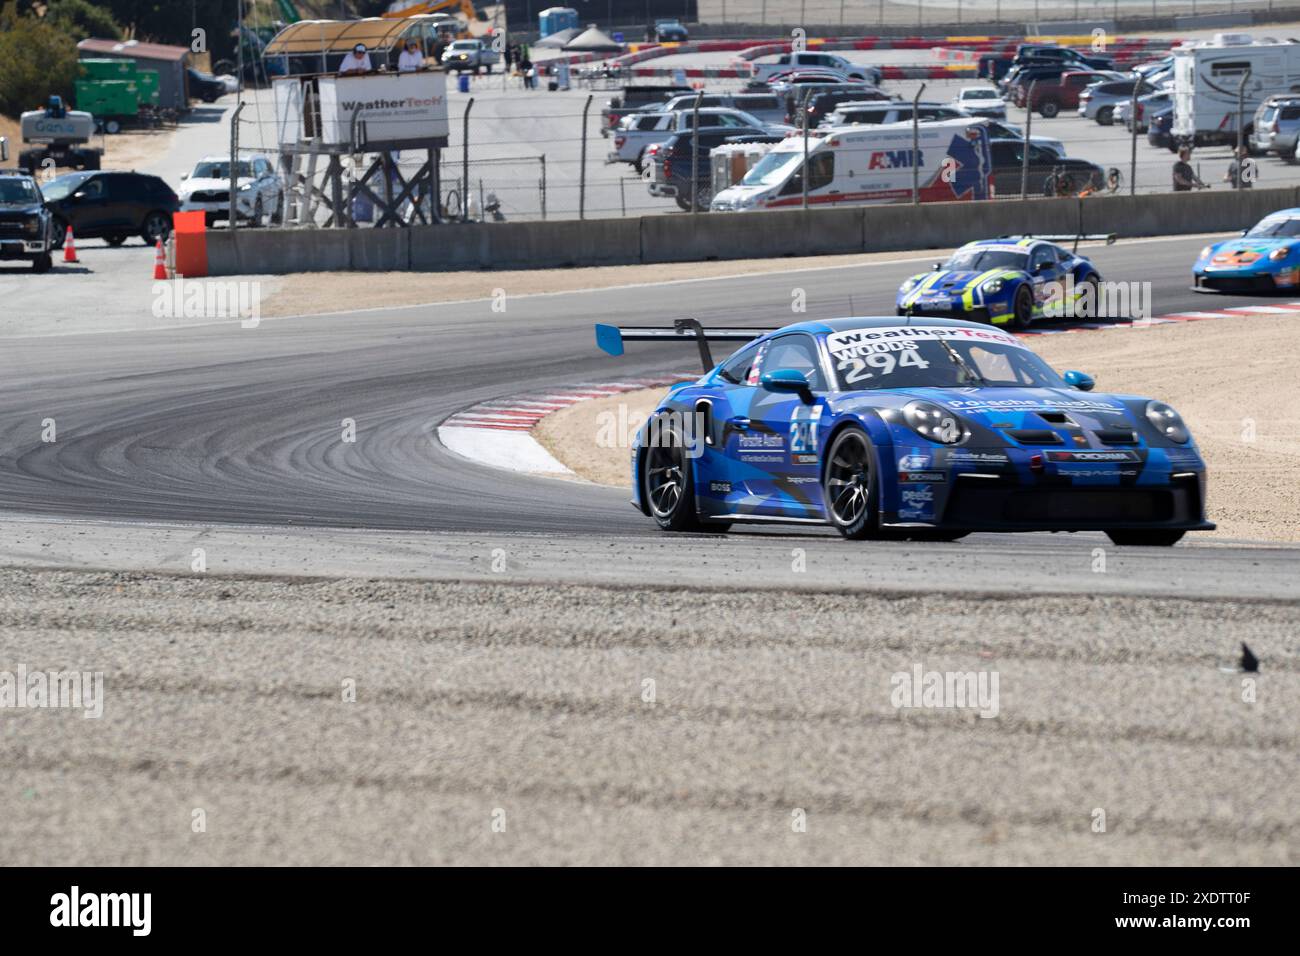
x=1234, y=380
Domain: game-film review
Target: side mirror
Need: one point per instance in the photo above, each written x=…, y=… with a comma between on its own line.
x=1080, y=380
x=936, y=266
x=79, y=194
x=787, y=380
x=1244, y=231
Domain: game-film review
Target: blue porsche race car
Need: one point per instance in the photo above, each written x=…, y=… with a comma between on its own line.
x=907, y=427
x=1009, y=281
x=1265, y=258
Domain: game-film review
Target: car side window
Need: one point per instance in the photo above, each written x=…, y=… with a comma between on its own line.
x=799, y=352
x=1043, y=255
x=737, y=368
x=92, y=188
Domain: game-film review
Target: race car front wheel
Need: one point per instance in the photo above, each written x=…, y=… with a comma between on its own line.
x=1022, y=310
x=668, y=484
x=849, y=485
x=1152, y=538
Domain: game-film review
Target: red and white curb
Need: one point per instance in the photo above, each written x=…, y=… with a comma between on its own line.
x=498, y=432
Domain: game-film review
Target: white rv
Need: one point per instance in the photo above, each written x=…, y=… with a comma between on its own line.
x=860, y=165
x=1208, y=83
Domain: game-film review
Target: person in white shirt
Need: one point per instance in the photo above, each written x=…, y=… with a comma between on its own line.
x=358, y=61
x=411, y=59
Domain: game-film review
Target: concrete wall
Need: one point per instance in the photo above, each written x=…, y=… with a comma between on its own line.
x=684, y=238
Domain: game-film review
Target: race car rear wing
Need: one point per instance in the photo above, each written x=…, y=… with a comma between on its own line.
x=610, y=338
x=1076, y=238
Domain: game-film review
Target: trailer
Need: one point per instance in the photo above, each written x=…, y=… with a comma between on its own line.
x=1219, y=84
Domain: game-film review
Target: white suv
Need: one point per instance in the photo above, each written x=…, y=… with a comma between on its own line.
x=258, y=191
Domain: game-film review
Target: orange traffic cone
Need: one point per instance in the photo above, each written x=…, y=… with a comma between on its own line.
x=69, y=248
x=160, y=263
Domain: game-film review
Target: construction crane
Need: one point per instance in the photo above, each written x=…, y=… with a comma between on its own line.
x=466, y=8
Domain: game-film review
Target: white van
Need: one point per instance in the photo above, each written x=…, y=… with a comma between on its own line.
x=856, y=165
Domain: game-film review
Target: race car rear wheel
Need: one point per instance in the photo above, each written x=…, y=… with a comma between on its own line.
x=1089, y=311
x=849, y=485
x=1022, y=310
x=1152, y=538
x=667, y=482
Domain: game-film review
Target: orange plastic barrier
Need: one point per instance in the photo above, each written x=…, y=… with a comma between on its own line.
x=191, y=243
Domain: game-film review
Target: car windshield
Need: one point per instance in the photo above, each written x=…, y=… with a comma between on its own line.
x=979, y=95
x=1276, y=226
x=771, y=169
x=985, y=257
x=918, y=356
x=14, y=190
x=63, y=186
x=220, y=170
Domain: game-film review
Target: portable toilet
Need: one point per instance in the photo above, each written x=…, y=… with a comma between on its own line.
x=555, y=19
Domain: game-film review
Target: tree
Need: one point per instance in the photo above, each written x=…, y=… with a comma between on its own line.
x=80, y=19
x=36, y=61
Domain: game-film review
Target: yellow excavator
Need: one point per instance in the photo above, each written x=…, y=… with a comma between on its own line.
x=465, y=7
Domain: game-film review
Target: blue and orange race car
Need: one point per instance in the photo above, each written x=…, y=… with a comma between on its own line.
x=907, y=427
x=1008, y=281
x=1266, y=258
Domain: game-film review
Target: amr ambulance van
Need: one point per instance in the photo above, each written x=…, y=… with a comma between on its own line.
x=857, y=165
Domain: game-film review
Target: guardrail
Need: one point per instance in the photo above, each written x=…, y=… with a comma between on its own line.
x=685, y=238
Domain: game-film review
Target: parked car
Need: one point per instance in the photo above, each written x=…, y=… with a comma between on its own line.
x=639, y=131
x=670, y=172
x=1000, y=130
x=111, y=206
x=820, y=101
x=1146, y=105
x=1098, y=102
x=878, y=114
x=26, y=225
x=475, y=56
x=980, y=101
x=804, y=59
x=669, y=30
x=637, y=98
x=204, y=86
x=257, y=190
x=1276, y=127
x=1052, y=96
x=1158, y=133
x=765, y=106
x=1008, y=158
x=1022, y=76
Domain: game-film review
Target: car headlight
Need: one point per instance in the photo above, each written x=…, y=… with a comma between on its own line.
x=1277, y=255
x=992, y=287
x=1205, y=253
x=937, y=424
x=33, y=225
x=1168, y=422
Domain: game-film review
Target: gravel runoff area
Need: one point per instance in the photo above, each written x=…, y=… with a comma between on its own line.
x=301, y=721
x=1233, y=380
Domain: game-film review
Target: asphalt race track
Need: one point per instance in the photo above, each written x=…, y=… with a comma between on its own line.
x=520, y=691
x=220, y=424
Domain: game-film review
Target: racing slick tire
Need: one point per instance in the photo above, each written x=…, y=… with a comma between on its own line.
x=849, y=486
x=1151, y=538
x=1022, y=310
x=1106, y=116
x=668, y=483
x=1089, y=313
x=1049, y=108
